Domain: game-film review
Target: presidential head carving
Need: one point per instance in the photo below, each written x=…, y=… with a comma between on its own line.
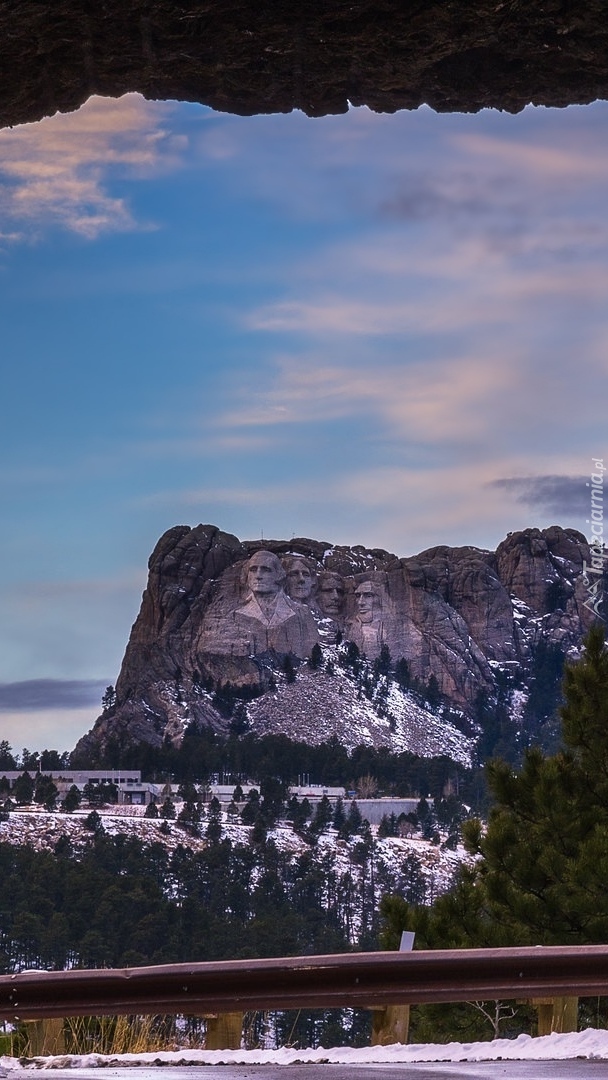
x=330, y=594
x=265, y=575
x=300, y=580
x=367, y=627
x=368, y=597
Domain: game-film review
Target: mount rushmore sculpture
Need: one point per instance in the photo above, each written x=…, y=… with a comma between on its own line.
x=287, y=606
x=220, y=611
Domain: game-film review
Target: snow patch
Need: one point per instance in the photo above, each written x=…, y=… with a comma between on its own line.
x=590, y=1044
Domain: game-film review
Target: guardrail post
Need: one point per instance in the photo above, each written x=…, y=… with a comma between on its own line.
x=224, y=1031
x=390, y=1024
x=45, y=1037
x=559, y=1014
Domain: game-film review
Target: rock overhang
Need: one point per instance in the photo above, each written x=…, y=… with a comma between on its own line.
x=248, y=58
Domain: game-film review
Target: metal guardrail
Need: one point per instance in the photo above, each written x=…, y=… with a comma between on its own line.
x=315, y=982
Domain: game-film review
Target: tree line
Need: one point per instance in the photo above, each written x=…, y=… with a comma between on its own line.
x=115, y=900
x=541, y=865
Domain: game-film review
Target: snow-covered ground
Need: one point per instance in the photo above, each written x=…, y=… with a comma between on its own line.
x=590, y=1044
x=41, y=829
x=317, y=707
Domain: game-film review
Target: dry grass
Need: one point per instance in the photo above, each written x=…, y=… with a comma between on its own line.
x=119, y=1034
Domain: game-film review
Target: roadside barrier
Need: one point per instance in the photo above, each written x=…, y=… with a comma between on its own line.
x=364, y=980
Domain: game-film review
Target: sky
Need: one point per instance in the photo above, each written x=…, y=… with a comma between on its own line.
x=387, y=330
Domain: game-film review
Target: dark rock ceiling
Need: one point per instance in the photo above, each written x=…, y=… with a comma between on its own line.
x=261, y=56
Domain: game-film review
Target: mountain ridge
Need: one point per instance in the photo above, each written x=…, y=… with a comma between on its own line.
x=464, y=623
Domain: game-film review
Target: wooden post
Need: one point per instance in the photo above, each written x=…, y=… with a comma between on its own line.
x=224, y=1031
x=558, y=1014
x=45, y=1037
x=390, y=1024
x=565, y=1014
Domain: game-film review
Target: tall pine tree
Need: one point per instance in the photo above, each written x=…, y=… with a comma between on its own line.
x=542, y=867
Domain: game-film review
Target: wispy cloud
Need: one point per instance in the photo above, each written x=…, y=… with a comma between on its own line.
x=68, y=629
x=411, y=506
x=439, y=285
x=451, y=503
x=34, y=695
x=58, y=172
x=559, y=495
x=507, y=395
x=587, y=160
x=435, y=401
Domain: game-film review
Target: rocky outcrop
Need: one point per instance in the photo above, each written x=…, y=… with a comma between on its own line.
x=218, y=611
x=246, y=57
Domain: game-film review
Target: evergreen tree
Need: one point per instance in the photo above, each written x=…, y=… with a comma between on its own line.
x=382, y=663
x=354, y=821
x=273, y=794
x=288, y=669
x=7, y=761
x=251, y=808
x=411, y=881
x=100, y=793
x=64, y=847
x=239, y=722
x=339, y=814
x=259, y=832
x=542, y=866
x=46, y=792
x=72, y=800
x=387, y=826
x=167, y=810
x=298, y=812
x=189, y=817
x=316, y=657
x=93, y=822
x=352, y=659
x=214, y=826
x=402, y=674
x=23, y=788
x=433, y=694
x=323, y=817
x=108, y=701
x=187, y=791
x=30, y=760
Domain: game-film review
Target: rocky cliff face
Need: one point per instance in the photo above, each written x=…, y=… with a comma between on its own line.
x=248, y=57
x=220, y=616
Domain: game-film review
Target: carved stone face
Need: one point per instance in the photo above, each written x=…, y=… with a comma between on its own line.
x=300, y=581
x=330, y=594
x=366, y=594
x=265, y=575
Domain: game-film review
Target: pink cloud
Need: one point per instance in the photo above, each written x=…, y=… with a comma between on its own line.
x=57, y=171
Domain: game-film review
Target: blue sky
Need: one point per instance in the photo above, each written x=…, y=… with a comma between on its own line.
x=387, y=330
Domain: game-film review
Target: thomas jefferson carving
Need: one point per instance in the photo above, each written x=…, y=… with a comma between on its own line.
x=300, y=580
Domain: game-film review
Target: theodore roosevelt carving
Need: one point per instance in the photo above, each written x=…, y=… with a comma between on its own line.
x=330, y=594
